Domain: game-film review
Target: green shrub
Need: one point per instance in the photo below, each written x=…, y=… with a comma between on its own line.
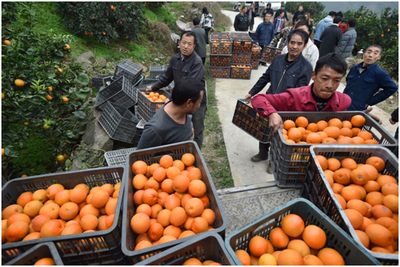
x=104, y=20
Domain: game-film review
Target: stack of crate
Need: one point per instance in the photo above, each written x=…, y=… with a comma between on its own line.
x=255, y=56
x=115, y=100
x=241, y=55
x=220, y=55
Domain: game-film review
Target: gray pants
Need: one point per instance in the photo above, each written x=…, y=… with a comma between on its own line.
x=198, y=125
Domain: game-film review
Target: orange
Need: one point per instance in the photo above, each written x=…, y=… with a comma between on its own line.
x=144, y=208
x=337, y=188
x=346, y=132
x=290, y=257
x=323, y=162
x=155, y=209
x=178, y=216
x=194, y=174
x=389, y=189
x=32, y=208
x=294, y=134
x=143, y=244
x=358, y=205
x=39, y=221
x=347, y=124
x=109, y=188
x=172, y=172
x=391, y=202
x=100, y=198
x=357, y=140
x=292, y=225
x=166, y=186
x=197, y=188
x=365, y=135
x=372, y=186
x=313, y=138
x=314, y=237
x=349, y=192
x=332, y=131
x=370, y=171
x=381, y=211
x=179, y=164
x=329, y=256
x=379, y=235
x=186, y=233
x=370, y=142
x=51, y=210
x=357, y=120
x=259, y=245
x=139, y=167
x=386, y=179
x=51, y=228
x=366, y=223
x=172, y=201
x=152, y=168
x=278, y=238
x=16, y=231
x=140, y=223
x=209, y=215
x=77, y=195
x=243, y=256
x=359, y=176
x=206, y=201
x=159, y=174
x=333, y=164
x=323, y=135
x=89, y=222
x=344, y=140
x=24, y=198
x=31, y=236
x=194, y=207
x=329, y=140
x=335, y=122
x=150, y=196
x=300, y=246
x=374, y=198
x=188, y=159
x=151, y=183
x=199, y=225
x=172, y=230
x=389, y=224
x=355, y=217
x=342, y=176
x=312, y=260
x=18, y=217
x=313, y=127
x=72, y=229
x=288, y=124
x=377, y=162
x=89, y=209
x=192, y=261
x=68, y=211
x=45, y=261
x=301, y=121
x=322, y=125
x=267, y=259
x=180, y=183
x=53, y=189
x=163, y=217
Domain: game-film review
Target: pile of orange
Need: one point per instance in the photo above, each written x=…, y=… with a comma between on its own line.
x=57, y=211
x=155, y=97
x=171, y=201
x=45, y=261
x=369, y=199
x=291, y=244
x=327, y=132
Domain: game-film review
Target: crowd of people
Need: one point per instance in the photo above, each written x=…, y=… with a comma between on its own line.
x=321, y=59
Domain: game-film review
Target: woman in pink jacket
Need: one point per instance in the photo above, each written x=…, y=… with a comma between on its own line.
x=319, y=96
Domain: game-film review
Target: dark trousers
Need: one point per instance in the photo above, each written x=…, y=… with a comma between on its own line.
x=263, y=150
x=317, y=43
x=207, y=30
x=198, y=125
x=204, y=60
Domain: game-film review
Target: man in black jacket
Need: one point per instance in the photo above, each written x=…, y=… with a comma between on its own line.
x=250, y=16
x=330, y=38
x=241, y=21
x=268, y=10
x=299, y=12
x=187, y=64
x=289, y=70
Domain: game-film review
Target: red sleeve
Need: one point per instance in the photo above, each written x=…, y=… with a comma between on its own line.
x=266, y=104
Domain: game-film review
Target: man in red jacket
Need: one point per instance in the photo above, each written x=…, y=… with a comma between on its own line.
x=319, y=96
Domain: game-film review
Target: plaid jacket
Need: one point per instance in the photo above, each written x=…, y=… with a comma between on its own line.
x=281, y=36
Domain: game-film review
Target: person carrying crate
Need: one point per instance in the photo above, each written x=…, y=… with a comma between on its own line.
x=187, y=64
x=286, y=71
x=172, y=123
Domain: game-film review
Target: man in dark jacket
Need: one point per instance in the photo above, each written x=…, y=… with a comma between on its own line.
x=187, y=64
x=279, y=11
x=268, y=10
x=330, y=38
x=299, y=12
x=289, y=70
x=200, y=36
x=250, y=16
x=265, y=32
x=241, y=21
x=365, y=81
x=346, y=44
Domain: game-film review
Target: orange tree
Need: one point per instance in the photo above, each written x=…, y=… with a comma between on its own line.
x=44, y=99
x=382, y=30
x=104, y=20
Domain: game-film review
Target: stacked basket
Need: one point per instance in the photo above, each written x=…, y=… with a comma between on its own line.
x=116, y=98
x=220, y=55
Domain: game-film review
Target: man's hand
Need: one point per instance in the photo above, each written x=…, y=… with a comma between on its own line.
x=377, y=119
x=275, y=121
x=148, y=89
x=391, y=121
x=248, y=96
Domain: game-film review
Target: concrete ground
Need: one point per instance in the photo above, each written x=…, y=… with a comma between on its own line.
x=240, y=146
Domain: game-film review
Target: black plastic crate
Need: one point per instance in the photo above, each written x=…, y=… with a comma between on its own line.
x=220, y=72
x=290, y=161
x=31, y=256
x=242, y=71
x=118, y=122
x=204, y=247
x=100, y=81
x=150, y=156
x=120, y=91
x=129, y=70
x=219, y=35
x=101, y=247
x=146, y=107
x=247, y=119
x=223, y=47
x=242, y=42
x=270, y=53
x=255, y=52
x=336, y=238
x=220, y=60
x=317, y=189
x=157, y=71
x=255, y=63
x=241, y=58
